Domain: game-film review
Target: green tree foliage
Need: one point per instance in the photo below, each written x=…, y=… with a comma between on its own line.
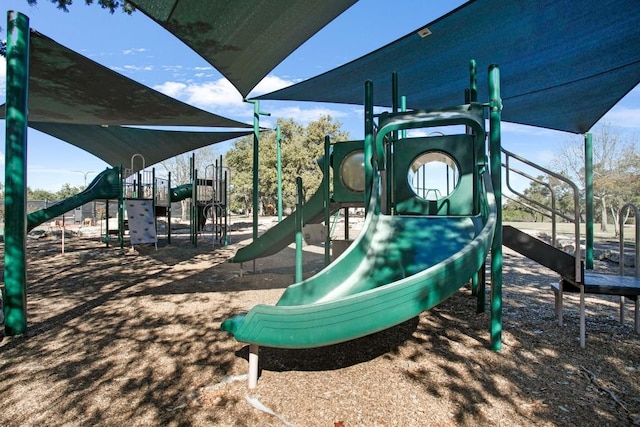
x=40, y=194
x=111, y=5
x=301, y=147
x=531, y=205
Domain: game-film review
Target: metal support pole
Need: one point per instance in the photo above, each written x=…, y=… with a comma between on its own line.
x=253, y=365
x=120, y=208
x=256, y=142
x=15, y=201
x=473, y=82
x=299, y=221
x=327, y=202
x=368, y=142
x=495, y=105
x=279, y=160
x=588, y=180
x=169, y=210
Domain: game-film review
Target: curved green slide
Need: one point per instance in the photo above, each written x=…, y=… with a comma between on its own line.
x=282, y=234
x=106, y=185
x=398, y=267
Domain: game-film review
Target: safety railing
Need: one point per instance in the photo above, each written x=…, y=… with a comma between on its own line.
x=554, y=211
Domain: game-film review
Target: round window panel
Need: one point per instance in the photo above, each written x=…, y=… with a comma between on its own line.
x=352, y=171
x=433, y=175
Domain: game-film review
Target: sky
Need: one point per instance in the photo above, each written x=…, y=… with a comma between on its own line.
x=135, y=46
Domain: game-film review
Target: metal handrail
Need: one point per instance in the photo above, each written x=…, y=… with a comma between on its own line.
x=553, y=209
x=576, y=203
x=636, y=213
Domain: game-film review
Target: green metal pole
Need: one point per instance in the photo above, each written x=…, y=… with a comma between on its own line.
x=226, y=211
x=368, y=142
x=403, y=108
x=196, y=213
x=327, y=201
x=299, y=220
x=15, y=200
x=256, y=142
x=169, y=210
x=279, y=160
x=588, y=180
x=495, y=105
x=473, y=84
x=121, y=209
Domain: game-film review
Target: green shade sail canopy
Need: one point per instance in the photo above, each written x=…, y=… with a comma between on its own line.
x=117, y=144
x=563, y=64
x=242, y=39
x=66, y=87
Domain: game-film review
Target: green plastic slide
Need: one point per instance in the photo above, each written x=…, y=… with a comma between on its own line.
x=398, y=267
x=106, y=185
x=282, y=234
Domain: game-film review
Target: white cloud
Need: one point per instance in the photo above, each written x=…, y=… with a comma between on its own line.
x=514, y=128
x=172, y=89
x=171, y=68
x=218, y=96
x=623, y=117
x=302, y=115
x=133, y=51
x=269, y=84
x=138, y=67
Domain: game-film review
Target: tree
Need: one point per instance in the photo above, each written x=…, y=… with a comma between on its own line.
x=616, y=167
x=180, y=169
x=301, y=147
x=40, y=194
x=67, y=190
x=112, y=5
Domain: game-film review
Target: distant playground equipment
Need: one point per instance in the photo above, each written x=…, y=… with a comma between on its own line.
x=143, y=198
x=414, y=251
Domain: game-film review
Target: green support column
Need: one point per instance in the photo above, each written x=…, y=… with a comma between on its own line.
x=169, y=210
x=588, y=180
x=121, y=210
x=256, y=142
x=15, y=201
x=368, y=142
x=279, y=160
x=495, y=105
x=299, y=220
x=327, y=201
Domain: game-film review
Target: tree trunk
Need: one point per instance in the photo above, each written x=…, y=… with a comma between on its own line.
x=184, y=204
x=616, y=217
x=603, y=212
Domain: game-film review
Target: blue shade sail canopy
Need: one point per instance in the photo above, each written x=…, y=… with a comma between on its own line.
x=563, y=64
x=244, y=40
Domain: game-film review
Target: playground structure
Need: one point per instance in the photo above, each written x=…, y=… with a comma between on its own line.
x=382, y=204
x=143, y=198
x=414, y=251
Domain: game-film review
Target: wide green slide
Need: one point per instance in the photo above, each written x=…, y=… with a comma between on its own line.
x=106, y=185
x=282, y=234
x=398, y=267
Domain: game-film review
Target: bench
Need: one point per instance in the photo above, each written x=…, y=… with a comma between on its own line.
x=599, y=284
